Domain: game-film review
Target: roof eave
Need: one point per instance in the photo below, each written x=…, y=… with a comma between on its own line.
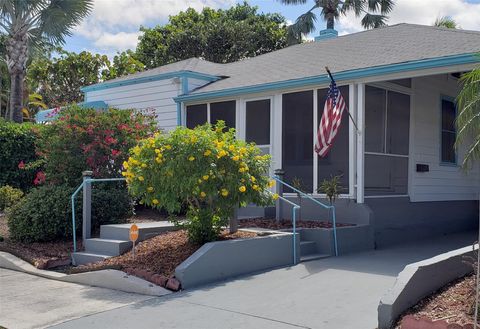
x=339, y=76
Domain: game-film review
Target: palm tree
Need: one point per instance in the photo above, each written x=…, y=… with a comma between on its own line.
x=468, y=119
x=446, y=22
x=373, y=11
x=30, y=24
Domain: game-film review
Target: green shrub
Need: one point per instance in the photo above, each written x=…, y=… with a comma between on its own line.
x=206, y=168
x=45, y=213
x=17, y=144
x=9, y=196
x=87, y=139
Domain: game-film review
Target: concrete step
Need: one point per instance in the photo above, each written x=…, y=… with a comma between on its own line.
x=145, y=230
x=308, y=248
x=107, y=246
x=310, y=257
x=81, y=258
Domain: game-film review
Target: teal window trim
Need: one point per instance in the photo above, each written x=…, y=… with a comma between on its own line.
x=339, y=76
x=163, y=76
x=442, y=162
x=179, y=113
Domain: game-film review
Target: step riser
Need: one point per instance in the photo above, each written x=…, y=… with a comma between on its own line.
x=79, y=259
x=121, y=233
x=112, y=248
x=308, y=248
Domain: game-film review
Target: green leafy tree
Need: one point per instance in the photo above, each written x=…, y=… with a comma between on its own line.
x=123, y=63
x=209, y=170
x=220, y=36
x=373, y=11
x=31, y=23
x=468, y=119
x=447, y=22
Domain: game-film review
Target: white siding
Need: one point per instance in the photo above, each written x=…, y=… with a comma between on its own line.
x=442, y=182
x=156, y=94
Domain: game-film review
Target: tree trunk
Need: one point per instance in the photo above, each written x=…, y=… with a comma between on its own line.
x=330, y=22
x=17, y=45
x=234, y=222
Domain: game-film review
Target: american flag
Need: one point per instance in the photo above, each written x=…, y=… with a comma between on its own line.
x=331, y=120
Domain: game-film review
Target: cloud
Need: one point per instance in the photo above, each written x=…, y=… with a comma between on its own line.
x=114, y=24
x=424, y=12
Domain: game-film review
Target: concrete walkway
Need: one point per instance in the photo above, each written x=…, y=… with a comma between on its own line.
x=334, y=293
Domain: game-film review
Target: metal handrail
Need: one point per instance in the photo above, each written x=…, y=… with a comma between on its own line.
x=294, y=226
x=88, y=180
x=330, y=207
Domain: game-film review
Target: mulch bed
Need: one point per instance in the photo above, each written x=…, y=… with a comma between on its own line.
x=451, y=307
x=160, y=254
x=286, y=224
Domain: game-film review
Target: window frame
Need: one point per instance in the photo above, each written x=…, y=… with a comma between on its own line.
x=455, y=153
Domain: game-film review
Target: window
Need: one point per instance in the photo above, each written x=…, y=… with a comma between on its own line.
x=449, y=132
x=196, y=115
x=258, y=122
x=223, y=111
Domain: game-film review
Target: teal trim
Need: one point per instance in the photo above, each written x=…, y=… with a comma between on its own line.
x=179, y=74
x=345, y=75
x=452, y=100
x=179, y=114
x=184, y=85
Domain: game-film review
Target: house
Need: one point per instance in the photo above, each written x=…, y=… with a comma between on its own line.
x=401, y=173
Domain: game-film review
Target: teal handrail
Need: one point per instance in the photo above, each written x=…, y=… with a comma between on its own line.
x=294, y=225
x=330, y=207
x=88, y=180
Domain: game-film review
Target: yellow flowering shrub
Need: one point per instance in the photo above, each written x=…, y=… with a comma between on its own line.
x=207, y=169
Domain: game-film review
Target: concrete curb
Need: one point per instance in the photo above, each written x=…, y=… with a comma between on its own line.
x=420, y=279
x=111, y=279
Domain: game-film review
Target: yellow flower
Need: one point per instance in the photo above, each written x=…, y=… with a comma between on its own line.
x=199, y=181
x=158, y=160
x=155, y=201
x=203, y=194
x=253, y=179
x=191, y=158
x=231, y=147
x=224, y=192
x=242, y=188
x=157, y=151
x=193, y=139
x=125, y=164
x=205, y=177
x=137, y=150
x=275, y=196
x=271, y=183
x=140, y=178
x=207, y=153
x=255, y=187
x=242, y=169
x=243, y=150
x=236, y=158
x=144, y=165
x=222, y=153
x=150, y=189
x=168, y=147
x=124, y=173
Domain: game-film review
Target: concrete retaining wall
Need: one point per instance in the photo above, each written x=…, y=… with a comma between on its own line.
x=220, y=260
x=419, y=280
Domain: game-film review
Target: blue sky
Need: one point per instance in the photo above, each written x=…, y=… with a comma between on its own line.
x=114, y=24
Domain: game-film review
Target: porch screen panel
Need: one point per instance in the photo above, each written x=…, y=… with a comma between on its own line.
x=398, y=123
x=386, y=175
x=336, y=161
x=375, y=114
x=258, y=122
x=196, y=115
x=297, y=148
x=223, y=111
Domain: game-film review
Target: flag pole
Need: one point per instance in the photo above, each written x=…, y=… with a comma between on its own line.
x=348, y=111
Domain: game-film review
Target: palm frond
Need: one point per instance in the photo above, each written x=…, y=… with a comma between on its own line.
x=468, y=119
x=357, y=6
x=446, y=22
x=380, y=6
x=304, y=24
x=371, y=21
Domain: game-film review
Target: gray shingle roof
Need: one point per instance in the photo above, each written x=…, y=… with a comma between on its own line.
x=383, y=46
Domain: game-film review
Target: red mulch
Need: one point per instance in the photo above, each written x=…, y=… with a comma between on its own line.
x=286, y=224
x=454, y=304
x=160, y=254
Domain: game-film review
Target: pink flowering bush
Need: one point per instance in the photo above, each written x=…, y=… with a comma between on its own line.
x=87, y=139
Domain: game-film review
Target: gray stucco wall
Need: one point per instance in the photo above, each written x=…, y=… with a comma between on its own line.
x=397, y=220
x=220, y=260
x=420, y=279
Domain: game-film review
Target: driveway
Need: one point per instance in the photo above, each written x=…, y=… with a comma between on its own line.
x=332, y=293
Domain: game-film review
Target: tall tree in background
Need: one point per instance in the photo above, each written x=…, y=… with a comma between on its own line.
x=220, y=36
x=373, y=11
x=123, y=63
x=28, y=24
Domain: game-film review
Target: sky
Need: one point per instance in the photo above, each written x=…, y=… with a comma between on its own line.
x=113, y=25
